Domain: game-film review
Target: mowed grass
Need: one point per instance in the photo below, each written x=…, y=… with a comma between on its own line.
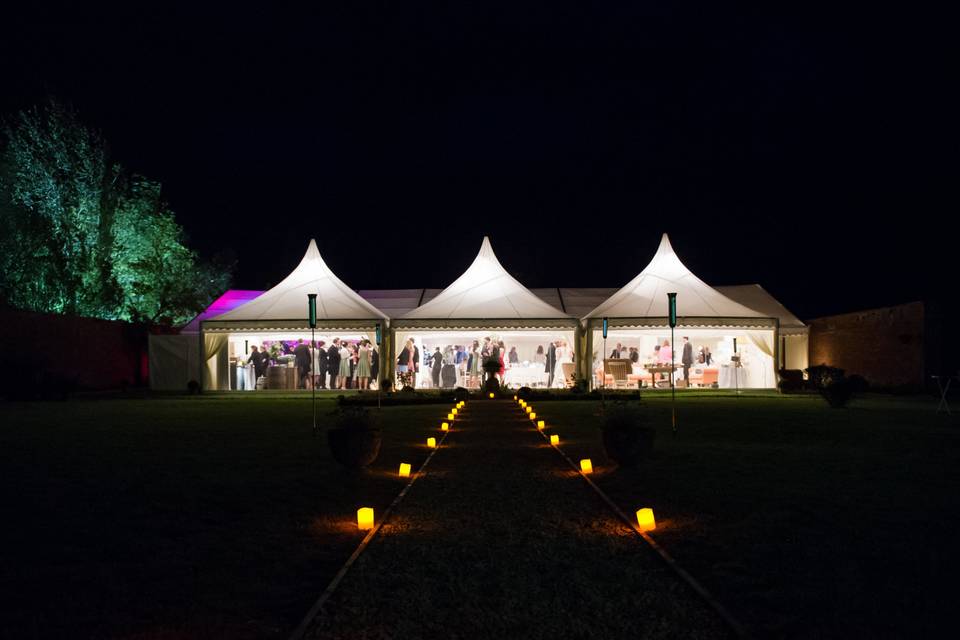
x=180, y=517
x=804, y=521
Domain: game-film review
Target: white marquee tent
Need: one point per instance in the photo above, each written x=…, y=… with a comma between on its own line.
x=485, y=297
x=643, y=304
x=284, y=309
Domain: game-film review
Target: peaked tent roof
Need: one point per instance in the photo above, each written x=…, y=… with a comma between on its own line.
x=485, y=290
x=646, y=295
x=288, y=300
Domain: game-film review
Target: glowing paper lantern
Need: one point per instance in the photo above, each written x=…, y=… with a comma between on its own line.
x=528, y=408
x=541, y=424
x=645, y=519
x=491, y=395
x=554, y=439
x=514, y=398
x=445, y=426
x=586, y=466
x=365, y=518
x=432, y=443
x=404, y=470
x=450, y=416
x=533, y=415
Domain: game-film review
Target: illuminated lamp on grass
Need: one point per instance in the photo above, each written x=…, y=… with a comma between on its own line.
x=432, y=443
x=533, y=415
x=404, y=469
x=451, y=416
x=445, y=426
x=554, y=439
x=365, y=518
x=491, y=395
x=586, y=466
x=645, y=519
x=514, y=398
x=527, y=408
x=541, y=424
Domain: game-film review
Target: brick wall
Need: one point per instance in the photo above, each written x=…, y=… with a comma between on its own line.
x=95, y=354
x=885, y=346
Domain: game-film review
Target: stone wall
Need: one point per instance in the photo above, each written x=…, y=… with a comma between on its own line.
x=886, y=346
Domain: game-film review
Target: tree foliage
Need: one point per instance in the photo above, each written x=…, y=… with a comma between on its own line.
x=84, y=236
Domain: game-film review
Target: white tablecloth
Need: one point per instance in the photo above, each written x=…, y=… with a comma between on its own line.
x=525, y=376
x=727, y=381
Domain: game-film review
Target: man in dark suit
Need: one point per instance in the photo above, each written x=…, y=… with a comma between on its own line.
x=687, y=359
x=321, y=372
x=551, y=363
x=301, y=354
x=333, y=362
x=259, y=362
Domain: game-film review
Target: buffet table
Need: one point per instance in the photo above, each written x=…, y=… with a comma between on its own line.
x=732, y=377
x=532, y=376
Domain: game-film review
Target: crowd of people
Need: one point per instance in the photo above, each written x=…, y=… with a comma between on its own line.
x=454, y=364
x=342, y=365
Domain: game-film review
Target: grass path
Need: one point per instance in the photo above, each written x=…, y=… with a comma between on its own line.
x=501, y=539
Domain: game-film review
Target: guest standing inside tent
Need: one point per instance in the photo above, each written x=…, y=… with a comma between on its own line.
x=333, y=362
x=363, y=365
x=302, y=360
x=687, y=359
x=436, y=364
x=514, y=358
x=344, y=374
x=320, y=365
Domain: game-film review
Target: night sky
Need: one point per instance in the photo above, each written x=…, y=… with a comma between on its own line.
x=814, y=152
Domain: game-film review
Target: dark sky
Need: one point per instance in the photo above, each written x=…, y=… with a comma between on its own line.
x=812, y=151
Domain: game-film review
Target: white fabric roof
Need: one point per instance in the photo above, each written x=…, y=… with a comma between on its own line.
x=646, y=295
x=758, y=298
x=288, y=300
x=485, y=290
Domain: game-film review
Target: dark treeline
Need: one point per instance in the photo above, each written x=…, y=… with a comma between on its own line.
x=83, y=235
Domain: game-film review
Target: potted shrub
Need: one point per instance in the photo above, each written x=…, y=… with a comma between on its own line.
x=525, y=393
x=460, y=393
x=354, y=437
x=832, y=384
x=627, y=438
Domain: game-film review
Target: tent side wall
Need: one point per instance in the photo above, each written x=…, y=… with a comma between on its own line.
x=173, y=361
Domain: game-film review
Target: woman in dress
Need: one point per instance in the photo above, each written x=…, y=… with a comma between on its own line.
x=473, y=365
x=502, y=368
x=345, y=360
x=564, y=355
x=540, y=357
x=514, y=358
x=363, y=365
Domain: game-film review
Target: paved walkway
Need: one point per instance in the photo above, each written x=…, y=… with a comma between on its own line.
x=501, y=539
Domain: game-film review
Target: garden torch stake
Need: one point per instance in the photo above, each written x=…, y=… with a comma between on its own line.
x=672, y=300
x=312, y=319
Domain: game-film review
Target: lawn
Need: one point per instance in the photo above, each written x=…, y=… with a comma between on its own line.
x=177, y=517
x=805, y=521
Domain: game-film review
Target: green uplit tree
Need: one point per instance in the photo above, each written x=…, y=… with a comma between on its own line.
x=83, y=236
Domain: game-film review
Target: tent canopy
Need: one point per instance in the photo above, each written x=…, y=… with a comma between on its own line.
x=759, y=299
x=288, y=300
x=485, y=290
x=646, y=295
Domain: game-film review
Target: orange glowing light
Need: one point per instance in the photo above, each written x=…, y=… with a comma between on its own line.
x=646, y=520
x=404, y=470
x=451, y=416
x=432, y=443
x=491, y=395
x=541, y=424
x=527, y=408
x=554, y=439
x=533, y=415
x=586, y=466
x=365, y=518
x=445, y=426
